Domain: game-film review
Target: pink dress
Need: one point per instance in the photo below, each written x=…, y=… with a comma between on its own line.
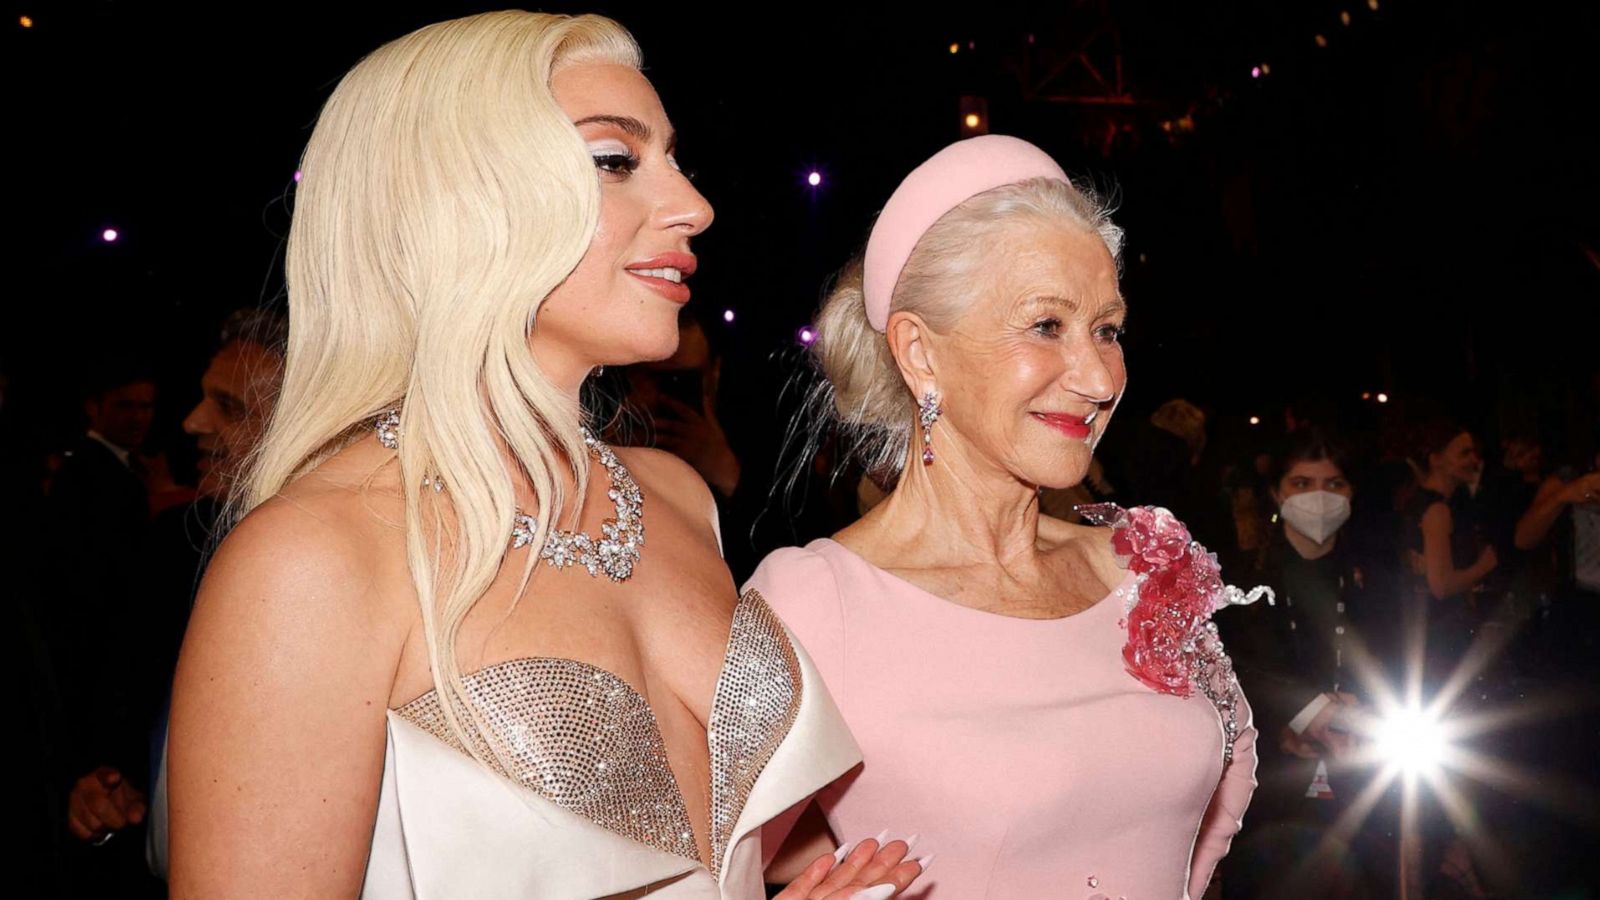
x=1022, y=751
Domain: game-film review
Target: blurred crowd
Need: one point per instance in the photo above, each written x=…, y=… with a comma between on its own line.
x=1413, y=557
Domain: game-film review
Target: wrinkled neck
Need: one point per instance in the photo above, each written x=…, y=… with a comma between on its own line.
x=968, y=509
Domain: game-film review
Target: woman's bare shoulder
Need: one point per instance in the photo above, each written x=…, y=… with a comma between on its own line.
x=1089, y=543
x=324, y=547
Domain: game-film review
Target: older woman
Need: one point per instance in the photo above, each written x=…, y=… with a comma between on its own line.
x=1044, y=702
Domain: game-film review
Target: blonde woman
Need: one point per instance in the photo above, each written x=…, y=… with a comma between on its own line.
x=436, y=657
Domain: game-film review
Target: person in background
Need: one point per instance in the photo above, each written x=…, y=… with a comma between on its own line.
x=237, y=390
x=1556, y=496
x=1153, y=462
x=676, y=399
x=93, y=538
x=1561, y=529
x=1523, y=581
x=1300, y=662
x=1449, y=559
x=1446, y=561
x=101, y=483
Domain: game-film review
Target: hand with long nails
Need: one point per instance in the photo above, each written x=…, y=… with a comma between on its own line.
x=873, y=869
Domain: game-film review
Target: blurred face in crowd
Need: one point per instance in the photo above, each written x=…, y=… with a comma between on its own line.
x=122, y=415
x=1031, y=372
x=1309, y=475
x=1313, y=499
x=1459, y=460
x=1524, y=457
x=237, y=392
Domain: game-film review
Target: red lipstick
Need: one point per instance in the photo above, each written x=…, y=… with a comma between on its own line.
x=1075, y=427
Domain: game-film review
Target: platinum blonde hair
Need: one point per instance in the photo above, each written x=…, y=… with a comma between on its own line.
x=862, y=390
x=444, y=195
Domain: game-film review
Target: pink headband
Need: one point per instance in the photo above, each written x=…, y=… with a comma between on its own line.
x=951, y=177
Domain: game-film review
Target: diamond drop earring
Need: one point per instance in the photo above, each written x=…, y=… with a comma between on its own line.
x=929, y=411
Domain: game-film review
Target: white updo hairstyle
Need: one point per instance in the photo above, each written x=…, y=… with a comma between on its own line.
x=862, y=390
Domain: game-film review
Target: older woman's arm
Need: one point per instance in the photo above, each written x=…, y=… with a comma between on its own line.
x=1226, y=813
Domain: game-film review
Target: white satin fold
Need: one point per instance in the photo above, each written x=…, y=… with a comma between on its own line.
x=447, y=827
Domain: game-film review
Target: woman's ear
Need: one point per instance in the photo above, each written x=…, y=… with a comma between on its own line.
x=913, y=352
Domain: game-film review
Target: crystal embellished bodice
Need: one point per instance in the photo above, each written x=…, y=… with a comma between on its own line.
x=585, y=740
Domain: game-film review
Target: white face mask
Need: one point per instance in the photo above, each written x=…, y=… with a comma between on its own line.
x=1316, y=514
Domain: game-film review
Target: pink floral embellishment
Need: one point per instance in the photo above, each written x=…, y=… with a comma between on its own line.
x=1153, y=539
x=1172, y=645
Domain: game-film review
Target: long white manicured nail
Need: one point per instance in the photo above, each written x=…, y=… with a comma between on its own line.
x=843, y=851
x=882, y=836
x=877, y=892
x=911, y=842
x=925, y=861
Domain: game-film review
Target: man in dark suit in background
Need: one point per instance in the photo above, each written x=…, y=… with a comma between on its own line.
x=237, y=391
x=93, y=537
x=95, y=524
x=101, y=482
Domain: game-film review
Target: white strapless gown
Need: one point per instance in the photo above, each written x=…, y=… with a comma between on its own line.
x=583, y=804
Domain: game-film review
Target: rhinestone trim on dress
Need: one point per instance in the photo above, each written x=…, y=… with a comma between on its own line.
x=578, y=736
x=1211, y=671
x=584, y=739
x=756, y=703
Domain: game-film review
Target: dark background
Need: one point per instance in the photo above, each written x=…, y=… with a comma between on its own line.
x=1409, y=209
